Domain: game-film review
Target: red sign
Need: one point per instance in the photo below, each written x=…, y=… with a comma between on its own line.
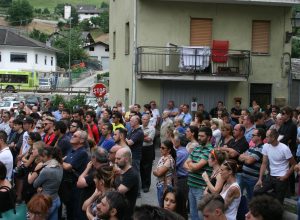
x=99, y=90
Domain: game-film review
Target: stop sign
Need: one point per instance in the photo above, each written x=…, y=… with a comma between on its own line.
x=99, y=90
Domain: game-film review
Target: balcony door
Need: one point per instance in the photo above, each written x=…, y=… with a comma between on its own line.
x=262, y=93
x=200, y=32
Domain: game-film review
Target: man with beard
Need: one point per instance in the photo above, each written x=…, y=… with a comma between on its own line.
x=92, y=128
x=196, y=165
x=50, y=138
x=113, y=206
x=120, y=136
x=128, y=182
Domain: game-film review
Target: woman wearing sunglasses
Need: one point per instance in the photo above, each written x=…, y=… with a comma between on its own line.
x=231, y=191
x=165, y=170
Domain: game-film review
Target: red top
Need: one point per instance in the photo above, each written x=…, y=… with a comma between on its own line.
x=93, y=132
x=49, y=138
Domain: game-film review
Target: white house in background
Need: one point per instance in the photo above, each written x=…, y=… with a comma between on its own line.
x=87, y=11
x=99, y=51
x=18, y=52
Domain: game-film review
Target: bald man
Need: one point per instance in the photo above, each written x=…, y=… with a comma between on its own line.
x=128, y=181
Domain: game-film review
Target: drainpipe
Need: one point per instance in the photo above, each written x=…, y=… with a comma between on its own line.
x=134, y=60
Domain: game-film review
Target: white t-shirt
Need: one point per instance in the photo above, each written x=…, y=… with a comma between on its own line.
x=278, y=158
x=7, y=159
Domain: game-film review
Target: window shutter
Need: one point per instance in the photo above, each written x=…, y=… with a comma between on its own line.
x=261, y=37
x=201, y=32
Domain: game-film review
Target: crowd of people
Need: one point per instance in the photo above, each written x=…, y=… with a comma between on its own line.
x=86, y=163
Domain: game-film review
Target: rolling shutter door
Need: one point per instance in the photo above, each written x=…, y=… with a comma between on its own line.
x=260, y=37
x=201, y=32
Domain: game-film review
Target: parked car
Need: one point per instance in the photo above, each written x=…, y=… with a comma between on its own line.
x=45, y=83
x=7, y=105
x=33, y=100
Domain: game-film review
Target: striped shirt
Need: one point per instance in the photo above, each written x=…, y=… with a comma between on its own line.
x=195, y=178
x=252, y=170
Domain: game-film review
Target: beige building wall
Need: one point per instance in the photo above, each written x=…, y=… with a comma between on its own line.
x=121, y=68
x=162, y=22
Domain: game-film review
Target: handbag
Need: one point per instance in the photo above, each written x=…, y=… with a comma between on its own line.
x=16, y=213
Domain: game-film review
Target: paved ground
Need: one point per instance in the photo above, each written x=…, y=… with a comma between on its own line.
x=151, y=199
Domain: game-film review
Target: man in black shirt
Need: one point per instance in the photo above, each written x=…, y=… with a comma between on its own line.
x=288, y=136
x=237, y=147
x=128, y=182
x=17, y=140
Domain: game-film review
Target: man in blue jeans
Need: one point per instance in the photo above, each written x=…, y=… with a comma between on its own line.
x=196, y=165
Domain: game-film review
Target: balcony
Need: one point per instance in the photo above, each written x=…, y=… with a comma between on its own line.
x=192, y=63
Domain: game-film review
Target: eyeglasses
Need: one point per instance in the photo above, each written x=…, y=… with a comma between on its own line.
x=74, y=126
x=163, y=148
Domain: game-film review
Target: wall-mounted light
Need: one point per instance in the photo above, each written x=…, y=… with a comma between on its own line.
x=295, y=21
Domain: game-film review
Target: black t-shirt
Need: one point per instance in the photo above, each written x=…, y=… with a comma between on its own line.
x=239, y=146
x=88, y=191
x=236, y=111
x=130, y=179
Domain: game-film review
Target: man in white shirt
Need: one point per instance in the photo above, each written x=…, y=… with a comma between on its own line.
x=4, y=126
x=5, y=155
x=281, y=163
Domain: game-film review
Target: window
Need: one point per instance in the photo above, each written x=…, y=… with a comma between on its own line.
x=127, y=38
x=114, y=45
x=36, y=59
x=200, y=32
x=45, y=60
x=18, y=58
x=260, y=37
x=51, y=61
x=92, y=49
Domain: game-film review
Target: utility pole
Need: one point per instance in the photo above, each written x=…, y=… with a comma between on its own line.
x=69, y=70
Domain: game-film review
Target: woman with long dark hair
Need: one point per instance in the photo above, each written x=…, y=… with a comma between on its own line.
x=47, y=176
x=173, y=200
x=191, y=134
x=165, y=169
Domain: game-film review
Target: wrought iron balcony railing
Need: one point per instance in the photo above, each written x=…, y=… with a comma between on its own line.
x=168, y=61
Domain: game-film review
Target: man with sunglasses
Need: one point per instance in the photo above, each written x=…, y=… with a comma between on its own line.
x=252, y=160
x=50, y=137
x=73, y=165
x=288, y=136
x=281, y=165
x=196, y=165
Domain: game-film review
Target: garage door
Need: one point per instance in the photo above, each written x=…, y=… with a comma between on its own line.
x=105, y=63
x=208, y=93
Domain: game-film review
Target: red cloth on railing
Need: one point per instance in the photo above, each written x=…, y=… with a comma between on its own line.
x=219, y=51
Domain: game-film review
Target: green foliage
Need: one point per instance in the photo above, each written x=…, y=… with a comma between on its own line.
x=76, y=101
x=38, y=35
x=20, y=13
x=59, y=9
x=295, y=48
x=104, y=5
x=46, y=11
x=38, y=10
x=85, y=25
x=60, y=25
x=102, y=21
x=76, y=42
x=5, y=3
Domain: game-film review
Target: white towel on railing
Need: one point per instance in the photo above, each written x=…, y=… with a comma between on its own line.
x=194, y=57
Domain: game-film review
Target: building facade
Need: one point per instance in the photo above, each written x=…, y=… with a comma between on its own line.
x=99, y=51
x=18, y=52
x=200, y=50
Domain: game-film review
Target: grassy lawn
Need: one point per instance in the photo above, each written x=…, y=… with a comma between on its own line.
x=52, y=3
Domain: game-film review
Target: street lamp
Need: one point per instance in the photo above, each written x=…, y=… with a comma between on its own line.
x=69, y=70
x=295, y=24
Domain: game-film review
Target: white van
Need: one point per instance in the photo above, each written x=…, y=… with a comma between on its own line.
x=44, y=83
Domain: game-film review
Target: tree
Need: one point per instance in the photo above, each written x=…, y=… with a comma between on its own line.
x=38, y=35
x=46, y=11
x=76, y=42
x=20, y=12
x=102, y=21
x=5, y=3
x=85, y=25
x=104, y=5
